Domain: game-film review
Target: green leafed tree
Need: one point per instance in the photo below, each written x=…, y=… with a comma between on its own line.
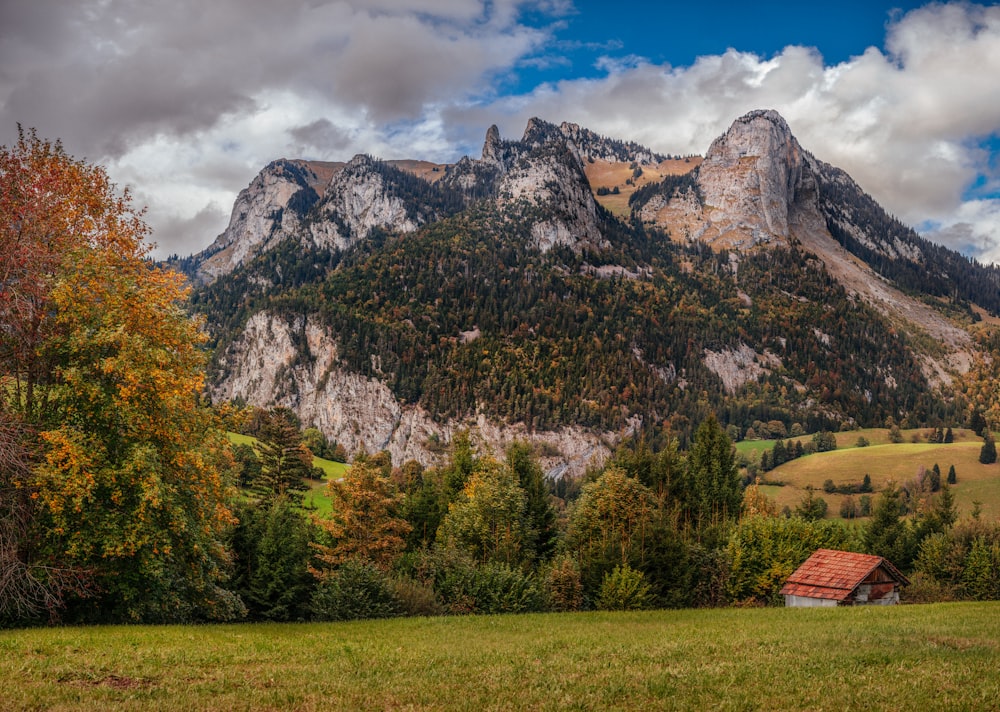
x=490, y=520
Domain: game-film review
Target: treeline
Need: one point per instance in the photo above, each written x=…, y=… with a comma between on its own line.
x=651, y=528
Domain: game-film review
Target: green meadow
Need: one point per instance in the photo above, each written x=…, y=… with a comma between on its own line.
x=316, y=498
x=941, y=656
x=885, y=461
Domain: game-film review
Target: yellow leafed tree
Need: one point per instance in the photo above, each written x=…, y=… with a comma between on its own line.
x=131, y=485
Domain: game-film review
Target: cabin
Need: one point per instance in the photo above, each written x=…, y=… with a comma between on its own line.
x=843, y=578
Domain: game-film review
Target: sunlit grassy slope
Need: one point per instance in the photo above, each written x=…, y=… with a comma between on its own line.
x=885, y=461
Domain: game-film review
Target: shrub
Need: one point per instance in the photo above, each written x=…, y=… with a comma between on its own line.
x=416, y=598
x=862, y=442
x=492, y=588
x=624, y=589
x=564, y=585
x=848, y=508
x=355, y=590
x=988, y=453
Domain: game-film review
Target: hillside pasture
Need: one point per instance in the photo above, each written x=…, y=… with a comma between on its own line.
x=884, y=462
x=940, y=656
x=315, y=498
x=605, y=174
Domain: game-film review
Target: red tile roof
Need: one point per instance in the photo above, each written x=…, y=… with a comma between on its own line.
x=835, y=574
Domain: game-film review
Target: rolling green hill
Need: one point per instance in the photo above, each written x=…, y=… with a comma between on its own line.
x=885, y=461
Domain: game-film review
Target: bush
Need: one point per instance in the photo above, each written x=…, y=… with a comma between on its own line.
x=564, y=585
x=988, y=453
x=862, y=442
x=492, y=588
x=848, y=508
x=624, y=589
x=416, y=598
x=825, y=441
x=354, y=591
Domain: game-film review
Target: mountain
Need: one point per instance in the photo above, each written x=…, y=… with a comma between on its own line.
x=574, y=289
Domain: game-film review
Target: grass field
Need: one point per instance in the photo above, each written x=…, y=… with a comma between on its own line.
x=941, y=656
x=315, y=499
x=886, y=461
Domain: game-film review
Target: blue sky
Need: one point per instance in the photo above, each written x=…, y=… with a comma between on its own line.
x=678, y=32
x=186, y=101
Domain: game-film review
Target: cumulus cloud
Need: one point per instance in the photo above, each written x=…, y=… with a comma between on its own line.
x=906, y=123
x=186, y=101
x=169, y=93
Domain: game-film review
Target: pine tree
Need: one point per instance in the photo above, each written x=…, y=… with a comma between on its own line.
x=284, y=460
x=988, y=453
x=952, y=477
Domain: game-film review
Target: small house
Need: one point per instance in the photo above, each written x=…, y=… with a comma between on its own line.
x=843, y=578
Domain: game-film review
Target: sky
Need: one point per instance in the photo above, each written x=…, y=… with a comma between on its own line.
x=184, y=101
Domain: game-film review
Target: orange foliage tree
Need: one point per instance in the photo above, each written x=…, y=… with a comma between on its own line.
x=131, y=480
x=364, y=523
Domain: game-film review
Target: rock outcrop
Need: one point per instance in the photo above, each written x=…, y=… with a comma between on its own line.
x=270, y=209
x=359, y=199
x=295, y=363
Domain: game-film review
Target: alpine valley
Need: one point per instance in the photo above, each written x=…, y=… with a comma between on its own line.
x=571, y=290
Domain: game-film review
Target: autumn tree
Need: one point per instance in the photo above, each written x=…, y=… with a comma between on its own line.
x=490, y=519
x=131, y=480
x=365, y=523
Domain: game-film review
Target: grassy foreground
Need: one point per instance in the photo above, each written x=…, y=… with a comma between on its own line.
x=942, y=656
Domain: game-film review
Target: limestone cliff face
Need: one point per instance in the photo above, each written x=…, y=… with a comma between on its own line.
x=268, y=210
x=752, y=176
x=358, y=200
x=295, y=363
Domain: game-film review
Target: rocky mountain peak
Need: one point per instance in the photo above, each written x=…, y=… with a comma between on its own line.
x=751, y=176
x=539, y=131
x=272, y=205
x=492, y=146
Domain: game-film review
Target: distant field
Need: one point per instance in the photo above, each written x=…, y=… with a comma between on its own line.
x=940, y=656
x=898, y=462
x=316, y=498
x=603, y=174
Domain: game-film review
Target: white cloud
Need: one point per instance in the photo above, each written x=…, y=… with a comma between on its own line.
x=187, y=100
x=905, y=123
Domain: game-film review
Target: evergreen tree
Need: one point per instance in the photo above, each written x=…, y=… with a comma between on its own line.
x=887, y=534
x=866, y=484
x=541, y=515
x=952, y=477
x=284, y=460
x=949, y=436
x=713, y=480
x=271, y=551
x=988, y=453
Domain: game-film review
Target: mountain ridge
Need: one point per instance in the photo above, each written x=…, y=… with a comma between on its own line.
x=503, y=294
